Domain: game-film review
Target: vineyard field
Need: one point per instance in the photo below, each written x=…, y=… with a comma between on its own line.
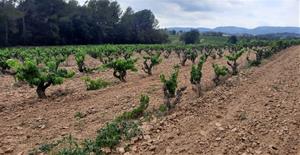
x=241, y=107
x=133, y=77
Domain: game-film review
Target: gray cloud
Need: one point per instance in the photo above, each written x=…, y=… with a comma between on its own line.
x=192, y=5
x=213, y=13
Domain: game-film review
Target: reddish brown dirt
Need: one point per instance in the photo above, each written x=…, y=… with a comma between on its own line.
x=255, y=113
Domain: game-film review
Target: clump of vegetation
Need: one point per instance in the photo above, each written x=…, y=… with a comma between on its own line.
x=137, y=112
x=47, y=147
x=163, y=108
x=219, y=71
x=109, y=136
x=95, y=84
x=130, y=129
x=196, y=74
x=232, y=61
x=112, y=134
x=123, y=127
x=70, y=146
x=150, y=62
x=42, y=76
x=170, y=89
x=121, y=66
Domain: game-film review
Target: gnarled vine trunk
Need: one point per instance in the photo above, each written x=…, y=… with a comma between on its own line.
x=198, y=87
x=167, y=97
x=147, y=68
x=41, y=90
x=234, y=67
x=120, y=75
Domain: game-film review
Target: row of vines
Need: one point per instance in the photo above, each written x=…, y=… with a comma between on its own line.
x=41, y=67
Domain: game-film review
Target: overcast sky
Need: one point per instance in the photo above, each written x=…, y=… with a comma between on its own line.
x=213, y=13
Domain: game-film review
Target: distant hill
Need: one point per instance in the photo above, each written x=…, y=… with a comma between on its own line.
x=240, y=30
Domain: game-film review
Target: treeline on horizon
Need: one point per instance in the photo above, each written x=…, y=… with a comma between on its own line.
x=61, y=22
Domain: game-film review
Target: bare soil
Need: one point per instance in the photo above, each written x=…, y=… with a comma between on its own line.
x=257, y=112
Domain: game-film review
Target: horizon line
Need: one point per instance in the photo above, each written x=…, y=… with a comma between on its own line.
x=228, y=26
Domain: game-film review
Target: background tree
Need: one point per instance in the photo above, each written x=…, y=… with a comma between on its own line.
x=125, y=29
x=190, y=37
x=232, y=40
x=9, y=16
x=140, y=27
x=60, y=22
x=105, y=15
x=42, y=20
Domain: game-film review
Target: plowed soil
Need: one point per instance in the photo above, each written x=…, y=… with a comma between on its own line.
x=257, y=112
